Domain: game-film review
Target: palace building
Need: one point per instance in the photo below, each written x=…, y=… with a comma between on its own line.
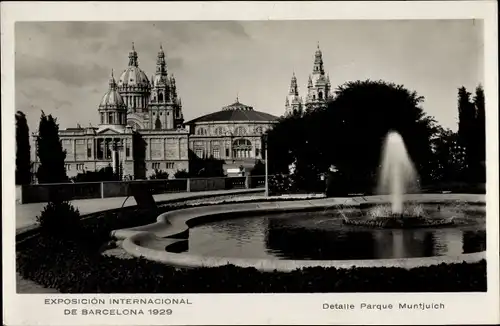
x=136, y=105
x=318, y=89
x=233, y=134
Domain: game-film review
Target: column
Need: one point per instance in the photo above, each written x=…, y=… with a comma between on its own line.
x=179, y=147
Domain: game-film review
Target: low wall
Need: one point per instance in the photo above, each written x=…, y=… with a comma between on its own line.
x=207, y=184
x=88, y=190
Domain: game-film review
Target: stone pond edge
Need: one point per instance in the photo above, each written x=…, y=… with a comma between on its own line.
x=172, y=228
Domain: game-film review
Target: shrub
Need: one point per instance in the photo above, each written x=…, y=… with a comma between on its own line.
x=181, y=174
x=159, y=175
x=59, y=217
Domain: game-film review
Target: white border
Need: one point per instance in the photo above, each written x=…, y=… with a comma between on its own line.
x=462, y=308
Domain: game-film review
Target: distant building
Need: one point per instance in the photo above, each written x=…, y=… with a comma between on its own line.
x=318, y=89
x=232, y=134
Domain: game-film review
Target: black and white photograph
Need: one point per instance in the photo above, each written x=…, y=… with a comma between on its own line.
x=251, y=156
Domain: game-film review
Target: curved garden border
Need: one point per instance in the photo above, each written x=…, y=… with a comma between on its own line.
x=172, y=228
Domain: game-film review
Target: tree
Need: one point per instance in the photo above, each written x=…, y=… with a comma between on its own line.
x=480, y=136
x=50, y=152
x=466, y=122
x=350, y=132
x=23, y=150
x=449, y=157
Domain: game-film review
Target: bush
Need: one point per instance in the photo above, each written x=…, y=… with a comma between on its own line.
x=59, y=217
x=159, y=175
x=181, y=174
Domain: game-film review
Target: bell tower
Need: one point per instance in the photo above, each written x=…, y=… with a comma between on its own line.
x=293, y=101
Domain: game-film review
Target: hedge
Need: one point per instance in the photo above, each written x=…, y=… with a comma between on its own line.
x=74, y=265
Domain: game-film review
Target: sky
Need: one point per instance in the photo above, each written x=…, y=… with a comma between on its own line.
x=63, y=68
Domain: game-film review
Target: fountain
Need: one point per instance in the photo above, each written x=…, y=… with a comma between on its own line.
x=397, y=173
x=397, y=176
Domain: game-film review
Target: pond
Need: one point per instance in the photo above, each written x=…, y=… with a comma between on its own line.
x=322, y=235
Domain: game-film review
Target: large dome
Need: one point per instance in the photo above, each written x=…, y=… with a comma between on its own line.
x=236, y=112
x=133, y=76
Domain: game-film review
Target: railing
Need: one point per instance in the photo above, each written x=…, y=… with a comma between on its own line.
x=87, y=190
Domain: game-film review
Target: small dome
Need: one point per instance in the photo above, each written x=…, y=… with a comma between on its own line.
x=112, y=99
x=133, y=76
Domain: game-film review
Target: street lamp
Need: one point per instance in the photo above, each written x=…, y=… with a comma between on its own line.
x=264, y=144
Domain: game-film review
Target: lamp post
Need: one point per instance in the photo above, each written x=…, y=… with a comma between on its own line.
x=266, y=182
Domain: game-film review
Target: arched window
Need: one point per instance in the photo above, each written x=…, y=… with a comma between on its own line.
x=240, y=131
x=160, y=97
x=242, y=148
x=157, y=123
x=219, y=131
x=201, y=131
x=320, y=95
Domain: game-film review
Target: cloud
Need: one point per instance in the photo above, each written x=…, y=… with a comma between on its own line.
x=66, y=72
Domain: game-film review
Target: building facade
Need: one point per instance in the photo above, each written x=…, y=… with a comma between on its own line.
x=233, y=134
x=141, y=129
x=318, y=89
x=136, y=114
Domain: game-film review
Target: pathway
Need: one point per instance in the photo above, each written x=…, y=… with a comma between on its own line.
x=26, y=214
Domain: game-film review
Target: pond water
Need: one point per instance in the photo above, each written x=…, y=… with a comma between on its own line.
x=321, y=235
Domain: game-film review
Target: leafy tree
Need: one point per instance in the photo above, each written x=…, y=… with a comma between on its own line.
x=349, y=134
x=449, y=157
x=23, y=150
x=50, y=152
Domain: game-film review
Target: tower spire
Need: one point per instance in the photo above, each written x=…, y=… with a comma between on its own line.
x=318, y=62
x=112, y=82
x=161, y=65
x=294, y=89
x=132, y=57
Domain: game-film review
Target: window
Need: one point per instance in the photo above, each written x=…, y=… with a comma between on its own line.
x=257, y=152
x=227, y=152
x=242, y=148
x=127, y=149
x=240, y=131
x=89, y=150
x=155, y=166
x=320, y=95
x=79, y=167
x=201, y=131
x=258, y=130
x=160, y=97
x=110, y=118
x=102, y=117
x=199, y=152
x=219, y=131
x=170, y=165
x=67, y=167
x=216, y=153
